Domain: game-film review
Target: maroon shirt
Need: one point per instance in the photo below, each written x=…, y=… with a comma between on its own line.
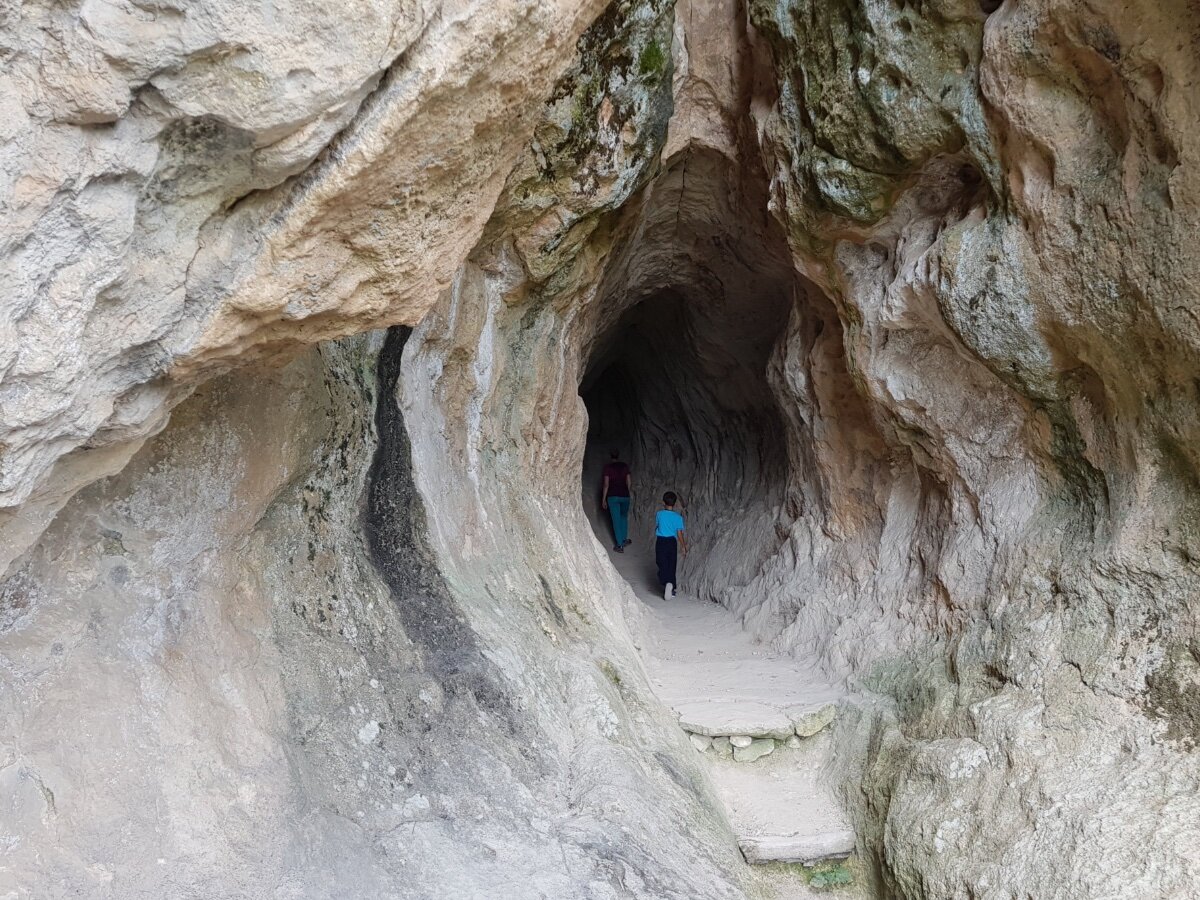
x=617, y=474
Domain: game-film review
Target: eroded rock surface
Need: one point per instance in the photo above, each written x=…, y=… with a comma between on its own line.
x=1033, y=494
x=186, y=185
x=306, y=706
x=901, y=299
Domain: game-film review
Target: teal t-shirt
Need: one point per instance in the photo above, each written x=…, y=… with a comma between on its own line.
x=667, y=522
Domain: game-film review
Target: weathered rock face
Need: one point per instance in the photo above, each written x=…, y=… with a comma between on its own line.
x=236, y=669
x=930, y=482
x=319, y=695
x=1000, y=282
x=189, y=184
x=901, y=299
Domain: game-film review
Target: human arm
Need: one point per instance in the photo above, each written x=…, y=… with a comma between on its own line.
x=679, y=536
x=604, y=496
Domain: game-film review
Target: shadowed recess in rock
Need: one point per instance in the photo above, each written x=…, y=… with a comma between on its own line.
x=680, y=381
x=680, y=386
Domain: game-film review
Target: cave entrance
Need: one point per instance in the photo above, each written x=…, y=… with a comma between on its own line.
x=688, y=384
x=679, y=378
x=679, y=386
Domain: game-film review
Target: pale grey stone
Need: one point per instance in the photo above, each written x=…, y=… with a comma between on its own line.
x=757, y=749
x=807, y=849
x=128, y=133
x=809, y=722
x=722, y=716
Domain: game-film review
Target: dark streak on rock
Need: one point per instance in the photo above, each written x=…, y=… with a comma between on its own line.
x=396, y=532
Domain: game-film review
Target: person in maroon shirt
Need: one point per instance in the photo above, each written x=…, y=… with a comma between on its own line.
x=615, y=499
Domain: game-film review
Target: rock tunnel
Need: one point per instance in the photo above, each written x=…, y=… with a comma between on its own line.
x=682, y=378
x=322, y=335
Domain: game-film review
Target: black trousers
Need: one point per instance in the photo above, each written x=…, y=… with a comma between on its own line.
x=666, y=555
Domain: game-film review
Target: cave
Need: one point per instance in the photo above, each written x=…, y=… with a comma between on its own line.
x=686, y=392
x=681, y=382
x=317, y=338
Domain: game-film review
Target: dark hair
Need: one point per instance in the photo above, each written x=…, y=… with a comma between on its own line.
x=615, y=454
x=669, y=498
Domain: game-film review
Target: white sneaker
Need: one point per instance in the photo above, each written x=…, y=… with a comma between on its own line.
x=668, y=591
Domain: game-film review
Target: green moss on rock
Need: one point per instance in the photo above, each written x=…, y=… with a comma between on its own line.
x=870, y=93
x=830, y=875
x=652, y=59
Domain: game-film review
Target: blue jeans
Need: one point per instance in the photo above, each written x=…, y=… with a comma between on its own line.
x=618, y=508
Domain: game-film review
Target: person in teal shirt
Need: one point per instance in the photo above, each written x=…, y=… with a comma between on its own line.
x=669, y=543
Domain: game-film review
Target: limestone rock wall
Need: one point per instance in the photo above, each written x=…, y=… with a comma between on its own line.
x=240, y=668
x=982, y=518
x=301, y=646
x=187, y=186
x=932, y=277
x=150, y=743
x=1006, y=247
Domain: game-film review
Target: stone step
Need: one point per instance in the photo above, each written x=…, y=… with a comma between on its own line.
x=782, y=807
x=808, y=849
x=717, y=718
x=734, y=696
x=753, y=718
